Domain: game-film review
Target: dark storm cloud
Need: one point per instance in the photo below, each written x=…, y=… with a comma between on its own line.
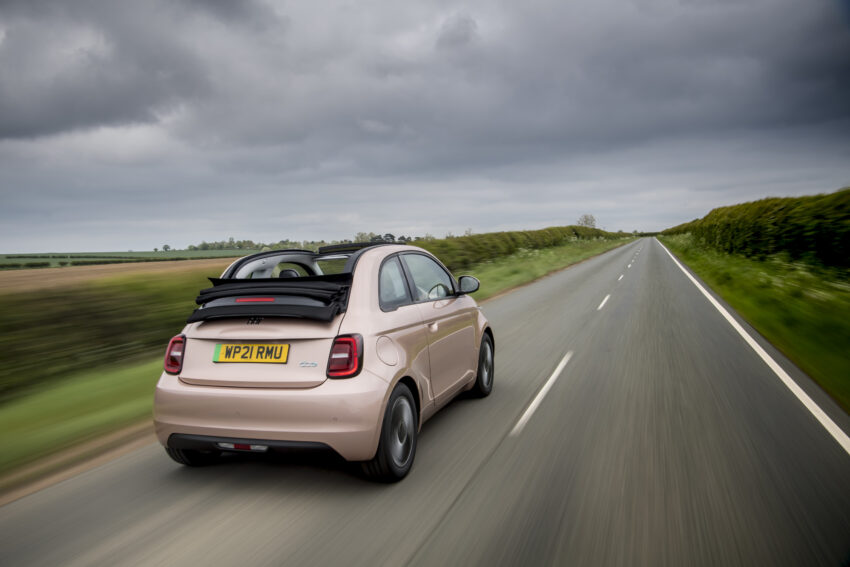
x=382, y=112
x=488, y=86
x=240, y=12
x=522, y=81
x=83, y=64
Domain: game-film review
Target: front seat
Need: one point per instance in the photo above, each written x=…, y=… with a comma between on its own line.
x=288, y=273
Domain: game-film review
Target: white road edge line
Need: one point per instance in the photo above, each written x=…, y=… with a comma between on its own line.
x=532, y=407
x=604, y=301
x=804, y=398
x=621, y=277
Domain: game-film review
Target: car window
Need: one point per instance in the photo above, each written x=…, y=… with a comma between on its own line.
x=333, y=264
x=429, y=278
x=290, y=264
x=289, y=270
x=391, y=287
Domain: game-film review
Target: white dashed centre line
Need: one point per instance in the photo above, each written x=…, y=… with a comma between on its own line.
x=621, y=277
x=604, y=301
x=629, y=266
x=532, y=407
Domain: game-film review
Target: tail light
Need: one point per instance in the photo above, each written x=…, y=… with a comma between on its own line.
x=346, y=359
x=174, y=355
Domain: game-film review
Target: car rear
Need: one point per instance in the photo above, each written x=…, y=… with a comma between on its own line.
x=260, y=367
x=216, y=404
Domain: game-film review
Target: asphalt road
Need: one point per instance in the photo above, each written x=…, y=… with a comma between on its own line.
x=664, y=440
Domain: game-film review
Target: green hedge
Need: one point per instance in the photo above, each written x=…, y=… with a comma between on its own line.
x=813, y=229
x=96, y=262
x=50, y=333
x=461, y=252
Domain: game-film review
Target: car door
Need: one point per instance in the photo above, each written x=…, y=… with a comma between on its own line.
x=449, y=323
x=402, y=326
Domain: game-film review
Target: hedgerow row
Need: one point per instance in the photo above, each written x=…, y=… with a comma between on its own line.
x=815, y=229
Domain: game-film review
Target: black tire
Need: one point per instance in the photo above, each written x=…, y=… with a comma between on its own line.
x=192, y=458
x=486, y=366
x=397, y=444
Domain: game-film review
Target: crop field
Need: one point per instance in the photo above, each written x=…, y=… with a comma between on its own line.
x=61, y=260
x=12, y=281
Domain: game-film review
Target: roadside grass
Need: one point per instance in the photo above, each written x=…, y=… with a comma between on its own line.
x=83, y=406
x=87, y=404
x=802, y=310
x=528, y=265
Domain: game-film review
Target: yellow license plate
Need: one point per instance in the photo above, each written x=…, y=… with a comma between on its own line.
x=250, y=353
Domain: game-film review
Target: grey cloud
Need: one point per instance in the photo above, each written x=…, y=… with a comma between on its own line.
x=572, y=76
x=575, y=105
x=457, y=31
x=252, y=12
x=69, y=66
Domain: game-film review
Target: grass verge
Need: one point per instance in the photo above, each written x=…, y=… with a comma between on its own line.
x=803, y=311
x=526, y=266
x=83, y=406
x=88, y=404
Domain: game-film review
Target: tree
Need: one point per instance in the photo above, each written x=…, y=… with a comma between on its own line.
x=389, y=237
x=156, y=249
x=166, y=247
x=587, y=220
x=365, y=237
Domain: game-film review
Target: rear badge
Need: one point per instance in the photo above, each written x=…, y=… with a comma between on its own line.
x=308, y=364
x=255, y=320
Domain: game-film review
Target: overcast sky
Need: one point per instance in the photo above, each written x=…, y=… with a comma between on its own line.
x=129, y=125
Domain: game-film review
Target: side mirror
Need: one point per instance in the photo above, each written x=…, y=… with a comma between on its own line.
x=468, y=284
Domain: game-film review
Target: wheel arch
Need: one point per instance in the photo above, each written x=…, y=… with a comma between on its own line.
x=417, y=395
x=489, y=332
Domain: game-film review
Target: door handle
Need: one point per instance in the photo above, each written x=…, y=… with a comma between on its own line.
x=433, y=327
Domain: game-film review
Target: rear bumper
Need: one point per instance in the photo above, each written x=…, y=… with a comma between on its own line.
x=207, y=443
x=344, y=415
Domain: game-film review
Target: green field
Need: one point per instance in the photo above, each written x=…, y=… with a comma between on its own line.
x=83, y=402
x=803, y=310
x=60, y=259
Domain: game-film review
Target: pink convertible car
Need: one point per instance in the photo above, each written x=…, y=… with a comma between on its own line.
x=351, y=348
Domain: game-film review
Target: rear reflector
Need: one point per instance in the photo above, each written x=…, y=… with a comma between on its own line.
x=255, y=300
x=346, y=358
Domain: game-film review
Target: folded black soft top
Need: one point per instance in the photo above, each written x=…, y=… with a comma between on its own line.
x=329, y=295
